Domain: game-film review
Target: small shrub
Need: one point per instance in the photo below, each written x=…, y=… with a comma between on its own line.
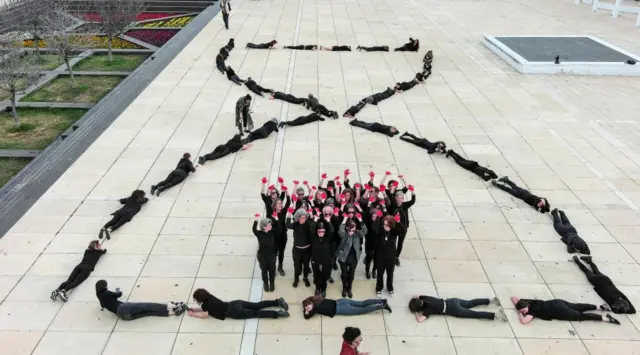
x=21, y=128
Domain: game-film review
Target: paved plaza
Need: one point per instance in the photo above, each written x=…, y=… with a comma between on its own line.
x=571, y=139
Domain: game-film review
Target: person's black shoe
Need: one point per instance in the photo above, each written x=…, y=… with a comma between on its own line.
x=281, y=271
x=374, y=273
x=54, y=295
x=494, y=182
x=272, y=287
x=295, y=283
x=282, y=314
x=368, y=276
x=201, y=160
x=387, y=307
x=107, y=234
x=554, y=211
x=153, y=189
x=586, y=258
x=575, y=258
x=331, y=280
x=504, y=179
x=448, y=153
x=344, y=292
x=101, y=234
x=605, y=308
x=613, y=320
x=397, y=262
x=283, y=304
x=265, y=287
x=349, y=293
x=281, y=124
x=306, y=282
x=335, y=266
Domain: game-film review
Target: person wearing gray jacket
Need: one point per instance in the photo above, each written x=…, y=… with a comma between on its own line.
x=349, y=251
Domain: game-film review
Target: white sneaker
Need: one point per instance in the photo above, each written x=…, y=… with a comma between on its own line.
x=379, y=294
x=495, y=301
x=501, y=316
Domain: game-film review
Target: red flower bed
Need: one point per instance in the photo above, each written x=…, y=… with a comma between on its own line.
x=155, y=37
x=94, y=17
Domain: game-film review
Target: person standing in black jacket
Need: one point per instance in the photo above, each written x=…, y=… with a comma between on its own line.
x=81, y=272
x=176, y=176
x=321, y=257
x=390, y=230
x=301, y=253
x=266, y=251
x=401, y=208
x=372, y=221
x=277, y=210
x=132, y=205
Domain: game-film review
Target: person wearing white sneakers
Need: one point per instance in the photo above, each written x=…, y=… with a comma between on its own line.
x=81, y=272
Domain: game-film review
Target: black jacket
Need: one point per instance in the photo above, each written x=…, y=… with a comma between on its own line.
x=403, y=209
x=321, y=247
x=266, y=241
x=186, y=165
x=91, y=257
x=301, y=232
x=131, y=206
x=109, y=300
x=385, y=242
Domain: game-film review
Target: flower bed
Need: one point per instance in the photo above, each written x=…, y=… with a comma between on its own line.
x=172, y=22
x=92, y=42
x=95, y=17
x=154, y=37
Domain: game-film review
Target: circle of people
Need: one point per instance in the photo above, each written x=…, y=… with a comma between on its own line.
x=333, y=222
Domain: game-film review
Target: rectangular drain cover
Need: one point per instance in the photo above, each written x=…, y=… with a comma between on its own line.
x=579, y=55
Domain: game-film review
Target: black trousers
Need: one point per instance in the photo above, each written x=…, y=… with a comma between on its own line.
x=379, y=96
x=302, y=120
x=290, y=98
x=225, y=18
x=247, y=310
x=322, y=110
x=387, y=265
x=462, y=162
x=561, y=223
x=299, y=47
x=321, y=274
x=375, y=49
x=460, y=308
x=401, y=242
x=258, y=46
x=370, y=256
x=341, y=49
x=513, y=189
x=353, y=110
x=281, y=244
x=78, y=275
x=260, y=133
x=175, y=177
x=301, y=260
x=407, y=47
x=118, y=220
x=220, y=151
x=575, y=311
x=423, y=143
x=268, y=268
x=348, y=272
x=257, y=89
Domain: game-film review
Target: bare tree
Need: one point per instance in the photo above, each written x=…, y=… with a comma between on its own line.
x=27, y=16
x=57, y=26
x=18, y=70
x=116, y=17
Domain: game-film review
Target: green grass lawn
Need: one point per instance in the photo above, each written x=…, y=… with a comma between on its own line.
x=100, y=62
x=88, y=89
x=50, y=61
x=9, y=167
x=38, y=127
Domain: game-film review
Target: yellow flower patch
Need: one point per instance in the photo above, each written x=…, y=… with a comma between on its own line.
x=172, y=22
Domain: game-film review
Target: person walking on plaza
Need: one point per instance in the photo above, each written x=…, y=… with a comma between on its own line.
x=225, y=6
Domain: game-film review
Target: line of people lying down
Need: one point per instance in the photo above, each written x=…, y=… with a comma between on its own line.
x=412, y=46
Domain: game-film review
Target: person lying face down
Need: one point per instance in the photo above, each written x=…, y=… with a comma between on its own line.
x=81, y=272
x=558, y=309
x=343, y=307
x=473, y=166
x=255, y=88
x=406, y=85
x=231, y=75
x=268, y=45
x=263, y=132
x=132, y=205
x=604, y=287
x=373, y=49
x=353, y=110
x=176, y=176
x=314, y=105
x=428, y=57
x=129, y=311
x=568, y=233
x=302, y=120
x=309, y=47
x=337, y=48
x=424, y=143
x=233, y=145
x=287, y=98
x=210, y=305
x=540, y=204
x=377, y=97
x=425, y=306
x=220, y=58
x=230, y=45
x=412, y=46
x=375, y=127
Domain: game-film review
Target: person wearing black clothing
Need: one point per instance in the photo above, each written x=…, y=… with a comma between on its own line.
x=302, y=120
x=231, y=75
x=233, y=145
x=267, y=45
x=406, y=85
x=401, y=208
x=132, y=205
x=558, y=309
x=343, y=307
x=540, y=204
x=387, y=233
x=309, y=47
x=337, y=48
x=314, y=105
x=373, y=49
x=301, y=253
x=262, y=132
x=372, y=221
x=288, y=98
x=255, y=88
x=375, y=127
x=604, y=287
x=353, y=110
x=225, y=7
x=568, y=233
x=349, y=252
x=266, y=252
x=134, y=310
x=212, y=306
x=176, y=176
x=321, y=258
x=278, y=217
x=230, y=45
x=220, y=58
x=425, y=306
x=377, y=97
x=473, y=166
x=428, y=57
x=424, y=143
x=412, y=46
x=81, y=272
